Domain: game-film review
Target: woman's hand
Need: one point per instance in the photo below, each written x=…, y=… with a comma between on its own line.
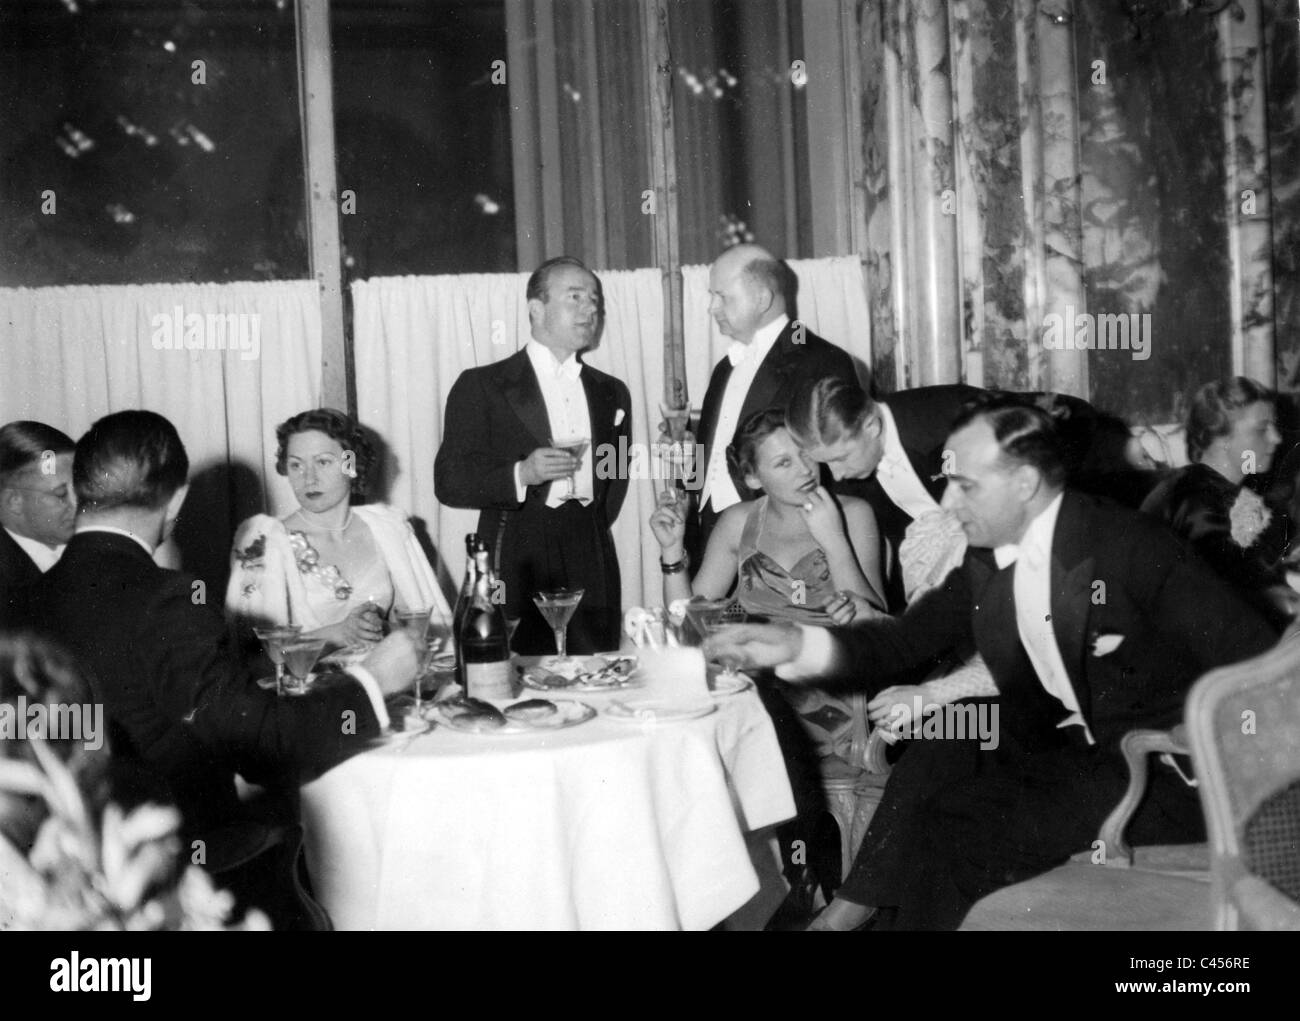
x=847, y=607
x=360, y=627
x=895, y=709
x=822, y=514
x=668, y=523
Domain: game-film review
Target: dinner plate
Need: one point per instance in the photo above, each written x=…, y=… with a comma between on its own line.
x=650, y=710
x=593, y=674
x=571, y=713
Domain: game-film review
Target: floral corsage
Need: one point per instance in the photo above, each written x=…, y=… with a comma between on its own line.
x=1247, y=518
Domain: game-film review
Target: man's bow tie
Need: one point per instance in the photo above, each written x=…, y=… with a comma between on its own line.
x=569, y=369
x=1007, y=555
x=737, y=352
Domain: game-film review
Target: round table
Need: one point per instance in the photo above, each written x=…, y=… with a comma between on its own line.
x=605, y=825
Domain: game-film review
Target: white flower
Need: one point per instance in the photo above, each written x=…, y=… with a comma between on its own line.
x=1247, y=518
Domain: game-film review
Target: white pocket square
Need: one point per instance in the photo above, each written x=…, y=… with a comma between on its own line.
x=1104, y=645
x=619, y=415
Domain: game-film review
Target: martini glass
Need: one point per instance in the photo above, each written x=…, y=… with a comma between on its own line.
x=557, y=606
x=576, y=446
x=704, y=612
x=300, y=656
x=273, y=641
x=725, y=619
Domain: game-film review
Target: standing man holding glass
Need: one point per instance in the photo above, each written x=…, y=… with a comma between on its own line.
x=520, y=442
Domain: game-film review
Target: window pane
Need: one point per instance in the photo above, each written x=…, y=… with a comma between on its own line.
x=423, y=136
x=148, y=141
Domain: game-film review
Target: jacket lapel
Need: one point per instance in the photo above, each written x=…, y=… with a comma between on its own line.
x=772, y=375
x=1073, y=572
x=524, y=395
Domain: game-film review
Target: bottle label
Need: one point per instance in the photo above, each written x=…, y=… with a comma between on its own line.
x=489, y=680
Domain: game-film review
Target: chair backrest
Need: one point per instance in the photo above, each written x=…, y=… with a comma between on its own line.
x=1243, y=724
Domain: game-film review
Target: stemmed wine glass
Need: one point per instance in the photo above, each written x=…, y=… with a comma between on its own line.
x=575, y=446
x=273, y=640
x=675, y=457
x=557, y=606
x=300, y=655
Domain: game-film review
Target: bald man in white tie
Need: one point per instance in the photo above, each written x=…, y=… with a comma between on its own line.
x=770, y=356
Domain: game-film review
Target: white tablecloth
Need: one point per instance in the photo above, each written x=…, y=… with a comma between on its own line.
x=606, y=825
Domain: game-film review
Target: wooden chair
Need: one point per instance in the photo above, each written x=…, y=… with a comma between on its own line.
x=1243, y=723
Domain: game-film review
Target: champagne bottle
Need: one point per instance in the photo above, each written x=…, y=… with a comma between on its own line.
x=483, y=639
x=462, y=603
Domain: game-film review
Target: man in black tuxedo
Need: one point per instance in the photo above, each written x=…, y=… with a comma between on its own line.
x=37, y=509
x=498, y=455
x=770, y=357
x=890, y=452
x=160, y=658
x=1093, y=621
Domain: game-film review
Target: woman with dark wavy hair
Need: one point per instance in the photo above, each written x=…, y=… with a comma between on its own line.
x=333, y=566
x=1231, y=435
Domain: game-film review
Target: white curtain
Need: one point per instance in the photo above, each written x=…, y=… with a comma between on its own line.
x=69, y=355
x=415, y=335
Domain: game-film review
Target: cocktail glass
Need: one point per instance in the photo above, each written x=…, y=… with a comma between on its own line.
x=557, y=606
x=273, y=641
x=576, y=446
x=300, y=656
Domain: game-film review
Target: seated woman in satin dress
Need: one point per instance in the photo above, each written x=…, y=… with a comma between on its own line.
x=334, y=567
x=1231, y=435
x=795, y=554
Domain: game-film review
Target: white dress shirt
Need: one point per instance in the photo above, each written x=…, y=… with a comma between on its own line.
x=44, y=557
x=569, y=417
x=745, y=361
x=1032, y=557
x=895, y=473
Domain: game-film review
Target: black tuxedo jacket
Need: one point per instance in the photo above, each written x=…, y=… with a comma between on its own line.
x=175, y=699
x=495, y=417
x=1138, y=618
x=18, y=575
x=788, y=366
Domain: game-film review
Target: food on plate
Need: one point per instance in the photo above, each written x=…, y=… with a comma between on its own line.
x=532, y=710
x=472, y=713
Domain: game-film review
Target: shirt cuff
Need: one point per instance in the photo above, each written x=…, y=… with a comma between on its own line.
x=367, y=681
x=814, y=658
x=521, y=491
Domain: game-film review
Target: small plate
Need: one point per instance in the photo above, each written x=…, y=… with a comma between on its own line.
x=649, y=710
x=571, y=713
x=594, y=673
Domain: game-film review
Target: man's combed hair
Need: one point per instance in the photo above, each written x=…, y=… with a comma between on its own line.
x=828, y=410
x=1214, y=407
x=128, y=459
x=538, y=283
x=337, y=426
x=23, y=444
x=1025, y=433
x=774, y=275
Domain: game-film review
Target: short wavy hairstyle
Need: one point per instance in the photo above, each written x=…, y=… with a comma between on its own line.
x=1215, y=406
x=742, y=454
x=337, y=426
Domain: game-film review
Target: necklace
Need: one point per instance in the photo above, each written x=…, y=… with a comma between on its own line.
x=323, y=528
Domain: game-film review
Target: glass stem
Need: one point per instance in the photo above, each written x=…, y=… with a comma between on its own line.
x=560, y=636
x=279, y=679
